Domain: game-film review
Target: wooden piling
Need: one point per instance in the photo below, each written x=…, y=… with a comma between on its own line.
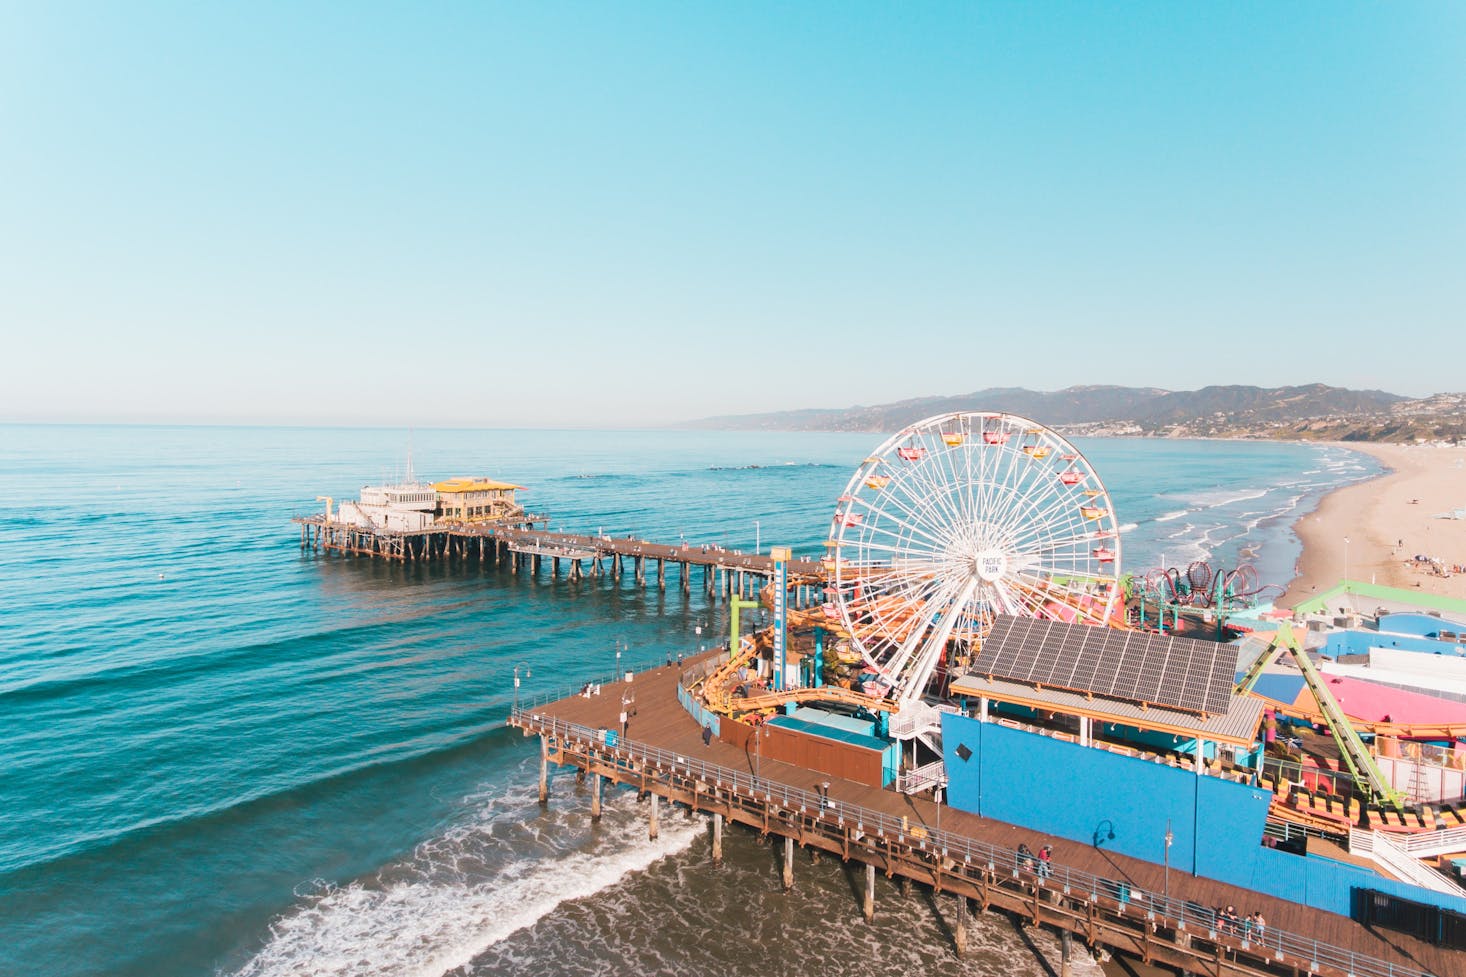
x=544, y=765
x=788, y=862
x=869, y=903
x=959, y=927
x=651, y=826
x=595, y=797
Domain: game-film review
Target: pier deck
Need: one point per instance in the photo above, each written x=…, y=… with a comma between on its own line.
x=523, y=545
x=663, y=753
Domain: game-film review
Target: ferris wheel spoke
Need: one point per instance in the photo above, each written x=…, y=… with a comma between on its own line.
x=936, y=643
x=934, y=609
x=906, y=533
x=940, y=489
x=910, y=519
x=1035, y=487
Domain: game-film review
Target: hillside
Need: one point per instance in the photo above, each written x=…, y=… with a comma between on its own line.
x=1311, y=412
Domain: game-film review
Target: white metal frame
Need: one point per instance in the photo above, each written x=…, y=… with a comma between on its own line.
x=960, y=517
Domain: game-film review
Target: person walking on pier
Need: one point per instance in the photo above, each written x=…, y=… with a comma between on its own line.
x=1045, y=866
x=707, y=735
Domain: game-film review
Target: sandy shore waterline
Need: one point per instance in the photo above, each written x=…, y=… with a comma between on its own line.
x=1388, y=521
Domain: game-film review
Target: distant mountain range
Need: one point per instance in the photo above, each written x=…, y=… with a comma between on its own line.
x=1312, y=412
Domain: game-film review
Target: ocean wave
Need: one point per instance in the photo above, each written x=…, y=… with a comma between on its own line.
x=1127, y=527
x=247, y=804
x=440, y=917
x=1172, y=515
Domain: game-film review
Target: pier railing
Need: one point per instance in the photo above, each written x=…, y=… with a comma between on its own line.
x=607, y=684
x=961, y=855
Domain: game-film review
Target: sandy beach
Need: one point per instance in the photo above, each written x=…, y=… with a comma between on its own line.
x=1387, y=521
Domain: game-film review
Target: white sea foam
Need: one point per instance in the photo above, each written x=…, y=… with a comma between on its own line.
x=1212, y=500
x=1128, y=527
x=446, y=914
x=1172, y=515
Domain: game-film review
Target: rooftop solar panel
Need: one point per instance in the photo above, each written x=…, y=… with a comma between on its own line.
x=1182, y=673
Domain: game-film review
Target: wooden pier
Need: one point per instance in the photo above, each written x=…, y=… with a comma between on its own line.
x=1105, y=899
x=524, y=549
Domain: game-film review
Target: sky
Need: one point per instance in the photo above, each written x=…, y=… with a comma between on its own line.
x=599, y=214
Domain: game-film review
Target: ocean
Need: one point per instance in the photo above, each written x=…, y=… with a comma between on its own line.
x=221, y=755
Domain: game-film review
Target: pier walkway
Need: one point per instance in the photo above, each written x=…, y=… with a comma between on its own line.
x=527, y=549
x=1105, y=898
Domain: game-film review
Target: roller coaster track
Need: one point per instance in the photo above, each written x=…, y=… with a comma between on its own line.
x=719, y=699
x=1355, y=754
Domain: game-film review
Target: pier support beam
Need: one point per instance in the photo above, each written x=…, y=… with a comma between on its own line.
x=788, y=862
x=595, y=797
x=869, y=905
x=651, y=824
x=717, y=839
x=1066, y=943
x=959, y=928
x=544, y=769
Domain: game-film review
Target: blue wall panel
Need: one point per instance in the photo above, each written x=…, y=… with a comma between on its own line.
x=1360, y=642
x=1076, y=793
x=1421, y=624
x=1084, y=795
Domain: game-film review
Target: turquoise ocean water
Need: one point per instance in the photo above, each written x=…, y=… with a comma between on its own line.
x=219, y=755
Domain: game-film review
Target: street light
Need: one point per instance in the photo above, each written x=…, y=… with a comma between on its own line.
x=757, y=540
x=527, y=674
x=1169, y=838
x=617, y=673
x=1346, y=563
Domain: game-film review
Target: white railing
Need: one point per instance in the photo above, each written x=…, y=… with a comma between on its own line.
x=924, y=777
x=1428, y=843
x=1391, y=854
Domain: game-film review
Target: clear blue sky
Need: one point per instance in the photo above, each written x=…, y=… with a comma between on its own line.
x=616, y=214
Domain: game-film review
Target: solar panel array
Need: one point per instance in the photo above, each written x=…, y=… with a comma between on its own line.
x=1181, y=673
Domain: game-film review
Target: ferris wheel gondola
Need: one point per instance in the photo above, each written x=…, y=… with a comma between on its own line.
x=956, y=519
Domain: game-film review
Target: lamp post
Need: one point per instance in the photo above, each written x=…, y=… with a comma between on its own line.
x=757, y=539
x=1346, y=563
x=617, y=673
x=527, y=674
x=1169, y=838
x=937, y=797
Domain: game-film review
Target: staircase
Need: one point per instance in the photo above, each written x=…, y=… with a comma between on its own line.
x=922, y=721
x=1391, y=854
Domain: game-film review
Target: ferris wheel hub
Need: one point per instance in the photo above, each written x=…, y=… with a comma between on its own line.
x=990, y=565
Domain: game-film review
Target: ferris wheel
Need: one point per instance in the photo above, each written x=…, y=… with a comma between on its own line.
x=955, y=519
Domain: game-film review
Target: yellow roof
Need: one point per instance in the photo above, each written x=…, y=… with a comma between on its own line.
x=454, y=485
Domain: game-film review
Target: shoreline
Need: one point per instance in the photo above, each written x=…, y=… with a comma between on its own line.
x=1387, y=520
